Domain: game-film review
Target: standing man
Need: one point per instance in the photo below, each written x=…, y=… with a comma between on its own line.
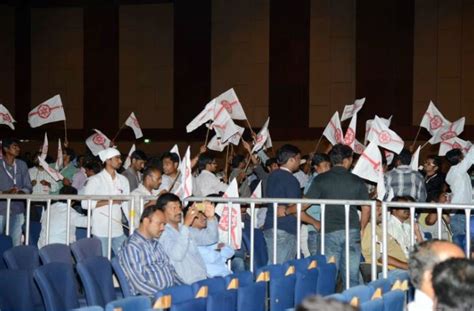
x=170, y=162
x=69, y=169
x=133, y=173
x=434, y=178
x=108, y=182
x=14, y=179
x=207, y=182
x=340, y=183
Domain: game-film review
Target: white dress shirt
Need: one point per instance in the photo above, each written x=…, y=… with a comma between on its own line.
x=166, y=182
x=207, y=183
x=103, y=184
x=58, y=224
x=400, y=232
x=138, y=193
x=39, y=175
x=459, y=181
x=422, y=302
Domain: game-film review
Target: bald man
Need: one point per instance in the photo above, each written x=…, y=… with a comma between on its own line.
x=422, y=260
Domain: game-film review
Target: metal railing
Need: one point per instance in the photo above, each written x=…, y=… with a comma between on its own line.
x=253, y=203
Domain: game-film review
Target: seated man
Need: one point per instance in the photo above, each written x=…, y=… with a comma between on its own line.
x=429, y=218
x=180, y=241
x=142, y=258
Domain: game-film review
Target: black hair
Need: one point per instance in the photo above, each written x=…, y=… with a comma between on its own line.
x=204, y=159
x=237, y=159
x=318, y=303
x=270, y=162
x=286, y=152
x=165, y=198
x=138, y=155
x=319, y=158
x=170, y=155
x=70, y=152
x=149, y=169
x=8, y=141
x=339, y=152
x=149, y=211
x=454, y=156
x=436, y=160
x=403, y=198
x=94, y=166
x=404, y=157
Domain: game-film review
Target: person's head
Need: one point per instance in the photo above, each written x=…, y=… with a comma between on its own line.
x=424, y=256
x=92, y=167
x=111, y=158
x=271, y=164
x=81, y=159
x=438, y=197
x=289, y=156
x=207, y=161
x=68, y=155
x=152, y=177
x=454, y=156
x=403, y=158
x=170, y=163
x=200, y=222
x=171, y=206
x=238, y=161
x=152, y=222
x=137, y=160
x=432, y=165
x=321, y=163
x=11, y=146
x=453, y=284
x=319, y=303
x=402, y=213
x=305, y=164
x=341, y=155
x=67, y=190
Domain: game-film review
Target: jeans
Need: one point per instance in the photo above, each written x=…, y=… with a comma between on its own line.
x=116, y=244
x=314, y=242
x=238, y=261
x=335, y=246
x=16, y=222
x=458, y=224
x=286, y=245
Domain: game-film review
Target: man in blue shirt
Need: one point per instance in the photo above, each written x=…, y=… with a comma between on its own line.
x=146, y=265
x=14, y=179
x=282, y=184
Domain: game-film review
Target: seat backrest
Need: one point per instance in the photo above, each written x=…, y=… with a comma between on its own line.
x=320, y=259
x=55, y=253
x=57, y=285
x=252, y=297
x=86, y=248
x=179, y=293
x=362, y=292
x=96, y=277
x=244, y=278
x=301, y=265
x=384, y=284
x=327, y=279
x=16, y=290
x=22, y=257
x=6, y=243
x=198, y=304
x=129, y=304
x=214, y=285
x=372, y=305
x=306, y=284
x=125, y=287
x=394, y=300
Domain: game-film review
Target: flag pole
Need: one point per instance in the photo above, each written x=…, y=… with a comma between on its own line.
x=207, y=134
x=424, y=145
x=66, y=142
x=116, y=135
x=317, y=145
x=416, y=137
x=226, y=160
x=250, y=128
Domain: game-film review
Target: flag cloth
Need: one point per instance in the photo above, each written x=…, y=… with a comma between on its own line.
x=6, y=118
x=415, y=159
x=454, y=143
x=51, y=171
x=59, y=159
x=358, y=147
x=262, y=137
x=222, y=209
x=235, y=139
x=205, y=115
x=333, y=131
x=175, y=149
x=44, y=148
x=216, y=144
x=128, y=160
x=229, y=101
x=433, y=119
x=350, y=136
x=350, y=110
x=185, y=189
x=132, y=122
x=370, y=167
x=384, y=137
x=50, y=111
x=224, y=126
x=448, y=131
x=97, y=142
x=368, y=125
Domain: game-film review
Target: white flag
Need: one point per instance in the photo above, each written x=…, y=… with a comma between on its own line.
x=415, y=158
x=175, y=149
x=454, y=143
x=128, y=160
x=433, y=119
x=222, y=209
x=229, y=101
x=132, y=121
x=97, y=142
x=185, y=189
x=369, y=163
x=384, y=137
x=216, y=144
x=44, y=148
x=350, y=110
x=51, y=171
x=358, y=147
x=224, y=126
x=389, y=156
x=6, y=118
x=333, y=131
x=368, y=125
x=448, y=131
x=350, y=136
x=235, y=139
x=262, y=137
x=205, y=115
x=59, y=159
x=50, y=111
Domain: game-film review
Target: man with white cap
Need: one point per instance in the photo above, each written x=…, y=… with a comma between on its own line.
x=108, y=182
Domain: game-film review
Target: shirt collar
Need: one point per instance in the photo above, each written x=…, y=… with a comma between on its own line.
x=285, y=169
x=422, y=298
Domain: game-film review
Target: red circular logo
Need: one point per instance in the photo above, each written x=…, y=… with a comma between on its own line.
x=259, y=138
x=436, y=122
x=384, y=137
x=98, y=139
x=135, y=121
x=338, y=135
x=227, y=105
x=359, y=148
x=350, y=136
x=457, y=146
x=448, y=135
x=6, y=117
x=44, y=111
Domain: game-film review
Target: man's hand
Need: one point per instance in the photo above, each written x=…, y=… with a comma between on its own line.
x=281, y=211
x=45, y=183
x=246, y=146
x=33, y=182
x=190, y=216
x=67, y=182
x=13, y=190
x=210, y=210
x=202, y=149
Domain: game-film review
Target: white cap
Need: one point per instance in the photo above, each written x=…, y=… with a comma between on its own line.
x=108, y=153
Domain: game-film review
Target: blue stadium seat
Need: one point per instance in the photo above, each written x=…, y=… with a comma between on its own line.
x=261, y=253
x=86, y=248
x=96, y=277
x=338, y=297
x=55, y=253
x=326, y=279
x=57, y=284
x=137, y=303
x=18, y=292
x=91, y=308
x=281, y=286
x=218, y=297
x=198, y=304
x=178, y=294
x=394, y=300
x=384, y=284
x=245, y=278
x=24, y=257
x=306, y=284
x=5, y=244
x=372, y=305
x=362, y=292
x=251, y=297
x=124, y=286
x=214, y=285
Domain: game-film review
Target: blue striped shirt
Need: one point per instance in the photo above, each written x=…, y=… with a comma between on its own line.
x=147, y=267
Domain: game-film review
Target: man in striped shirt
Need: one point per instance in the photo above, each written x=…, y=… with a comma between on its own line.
x=147, y=267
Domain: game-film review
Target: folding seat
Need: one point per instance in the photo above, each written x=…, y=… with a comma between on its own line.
x=218, y=296
x=394, y=300
x=281, y=284
x=55, y=253
x=5, y=244
x=22, y=257
x=18, y=292
x=120, y=274
x=86, y=248
x=136, y=303
x=177, y=298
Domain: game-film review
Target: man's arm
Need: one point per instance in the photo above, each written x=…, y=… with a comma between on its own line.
x=396, y=263
x=364, y=216
x=176, y=249
x=207, y=236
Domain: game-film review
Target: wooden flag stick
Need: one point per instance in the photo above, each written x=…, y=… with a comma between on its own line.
x=424, y=145
x=66, y=142
x=247, y=164
x=226, y=160
x=207, y=135
x=317, y=145
x=416, y=137
x=174, y=181
x=118, y=132
x=250, y=128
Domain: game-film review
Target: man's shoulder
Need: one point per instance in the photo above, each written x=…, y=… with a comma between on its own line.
x=21, y=164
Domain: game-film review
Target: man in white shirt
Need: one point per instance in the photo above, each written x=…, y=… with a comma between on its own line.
x=207, y=182
x=422, y=260
x=170, y=162
x=58, y=221
x=41, y=180
x=108, y=182
x=460, y=183
x=151, y=181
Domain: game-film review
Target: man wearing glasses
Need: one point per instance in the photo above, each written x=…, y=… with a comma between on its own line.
x=207, y=182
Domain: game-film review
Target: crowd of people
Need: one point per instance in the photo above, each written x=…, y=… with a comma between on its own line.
x=176, y=244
